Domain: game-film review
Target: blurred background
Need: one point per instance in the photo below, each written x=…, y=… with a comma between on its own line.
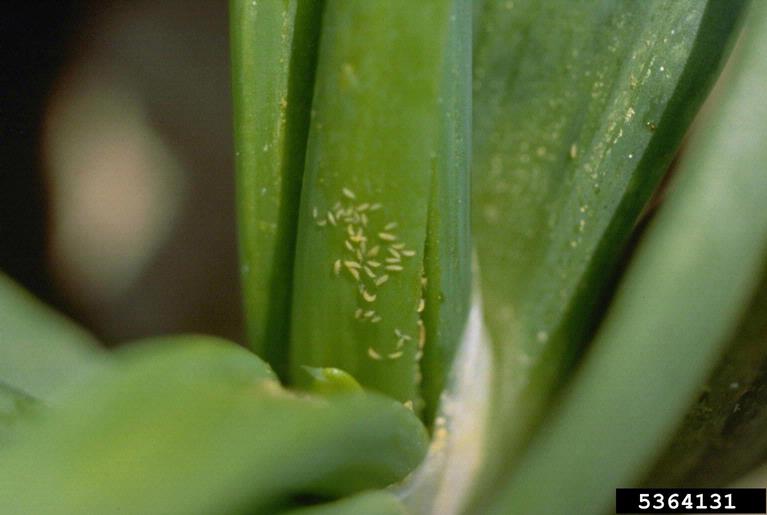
x=117, y=173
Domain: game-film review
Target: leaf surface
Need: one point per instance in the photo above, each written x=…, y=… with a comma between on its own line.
x=371, y=160
x=40, y=350
x=197, y=425
x=679, y=304
x=273, y=51
x=579, y=108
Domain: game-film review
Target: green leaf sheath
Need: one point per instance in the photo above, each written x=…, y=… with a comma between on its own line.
x=199, y=426
x=40, y=350
x=578, y=110
x=689, y=283
x=371, y=155
x=273, y=49
x=447, y=260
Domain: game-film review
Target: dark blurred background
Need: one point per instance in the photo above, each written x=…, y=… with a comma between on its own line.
x=117, y=175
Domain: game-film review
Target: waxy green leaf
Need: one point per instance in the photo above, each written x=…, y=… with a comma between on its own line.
x=376, y=142
x=679, y=304
x=40, y=350
x=197, y=425
x=447, y=259
x=579, y=108
x=273, y=58
x=723, y=435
